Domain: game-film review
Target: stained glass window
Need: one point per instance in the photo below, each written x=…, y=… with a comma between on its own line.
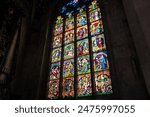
x=84, y=85
x=68, y=87
x=82, y=47
x=79, y=62
x=68, y=68
x=82, y=32
x=69, y=37
x=69, y=22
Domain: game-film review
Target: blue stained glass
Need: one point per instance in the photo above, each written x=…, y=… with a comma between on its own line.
x=100, y=61
x=68, y=13
x=73, y=2
x=82, y=7
x=63, y=9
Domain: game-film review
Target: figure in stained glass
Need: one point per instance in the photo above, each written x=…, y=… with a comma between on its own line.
x=69, y=51
x=100, y=61
x=81, y=20
x=84, y=85
x=53, y=89
x=58, y=29
x=70, y=16
x=69, y=24
x=82, y=32
x=56, y=55
x=83, y=64
x=68, y=68
x=103, y=82
x=55, y=71
x=68, y=87
x=81, y=11
x=93, y=6
x=57, y=41
x=69, y=37
x=95, y=15
x=82, y=47
x=96, y=28
x=59, y=20
x=98, y=43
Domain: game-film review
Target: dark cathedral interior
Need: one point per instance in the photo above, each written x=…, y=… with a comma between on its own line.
x=27, y=30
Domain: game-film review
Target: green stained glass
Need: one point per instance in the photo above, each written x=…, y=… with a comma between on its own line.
x=59, y=20
x=93, y=5
x=96, y=28
x=69, y=51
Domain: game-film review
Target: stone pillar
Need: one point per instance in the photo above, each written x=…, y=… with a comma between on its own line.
x=6, y=69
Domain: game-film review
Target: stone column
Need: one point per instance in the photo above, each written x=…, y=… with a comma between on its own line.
x=6, y=69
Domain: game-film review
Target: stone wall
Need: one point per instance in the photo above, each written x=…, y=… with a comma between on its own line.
x=137, y=15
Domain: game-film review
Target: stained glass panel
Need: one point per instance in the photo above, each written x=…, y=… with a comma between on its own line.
x=81, y=11
x=53, y=89
x=84, y=85
x=55, y=71
x=69, y=23
x=98, y=43
x=68, y=87
x=82, y=32
x=57, y=41
x=58, y=29
x=100, y=61
x=68, y=68
x=56, y=55
x=59, y=20
x=94, y=15
x=103, y=82
x=93, y=6
x=69, y=37
x=96, y=28
x=83, y=64
x=82, y=47
x=69, y=51
x=81, y=20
